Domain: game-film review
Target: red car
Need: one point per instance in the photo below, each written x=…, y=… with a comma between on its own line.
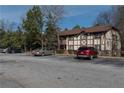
x=87, y=52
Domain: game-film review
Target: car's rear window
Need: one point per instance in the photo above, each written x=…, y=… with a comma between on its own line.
x=84, y=48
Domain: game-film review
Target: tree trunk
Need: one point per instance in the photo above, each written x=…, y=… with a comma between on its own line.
x=30, y=49
x=25, y=49
x=58, y=39
x=42, y=43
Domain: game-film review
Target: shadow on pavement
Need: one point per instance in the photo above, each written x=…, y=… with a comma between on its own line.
x=109, y=61
x=102, y=61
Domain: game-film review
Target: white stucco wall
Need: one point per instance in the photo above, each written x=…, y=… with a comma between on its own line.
x=109, y=34
x=70, y=42
x=83, y=42
x=118, y=38
x=67, y=43
x=107, y=40
x=96, y=41
x=102, y=39
x=76, y=47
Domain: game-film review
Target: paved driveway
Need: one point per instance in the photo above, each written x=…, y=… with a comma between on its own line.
x=60, y=71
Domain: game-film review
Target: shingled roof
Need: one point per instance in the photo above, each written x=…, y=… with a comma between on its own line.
x=71, y=32
x=94, y=29
x=102, y=28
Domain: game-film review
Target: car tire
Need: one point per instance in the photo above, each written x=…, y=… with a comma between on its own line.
x=43, y=54
x=78, y=57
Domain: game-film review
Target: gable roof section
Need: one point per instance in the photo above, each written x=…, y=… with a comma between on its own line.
x=70, y=32
x=95, y=29
x=99, y=29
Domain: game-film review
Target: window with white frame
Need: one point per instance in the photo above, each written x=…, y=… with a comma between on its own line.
x=70, y=47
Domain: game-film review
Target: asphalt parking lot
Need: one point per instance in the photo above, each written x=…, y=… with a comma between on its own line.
x=23, y=71
x=116, y=62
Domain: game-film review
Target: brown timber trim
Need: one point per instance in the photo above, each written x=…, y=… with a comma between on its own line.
x=100, y=42
x=73, y=42
x=86, y=39
x=80, y=38
x=68, y=44
x=104, y=42
x=93, y=40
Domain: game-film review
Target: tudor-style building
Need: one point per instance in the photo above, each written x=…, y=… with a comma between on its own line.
x=106, y=39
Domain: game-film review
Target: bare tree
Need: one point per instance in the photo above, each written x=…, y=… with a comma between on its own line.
x=55, y=11
x=115, y=17
x=103, y=18
x=118, y=21
x=54, y=14
x=2, y=24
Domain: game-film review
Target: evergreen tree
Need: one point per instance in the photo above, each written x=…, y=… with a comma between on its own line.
x=76, y=27
x=51, y=34
x=33, y=24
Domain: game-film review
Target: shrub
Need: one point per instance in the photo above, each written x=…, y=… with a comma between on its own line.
x=61, y=51
x=122, y=53
x=71, y=51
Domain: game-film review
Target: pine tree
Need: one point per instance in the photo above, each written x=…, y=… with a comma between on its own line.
x=33, y=24
x=51, y=34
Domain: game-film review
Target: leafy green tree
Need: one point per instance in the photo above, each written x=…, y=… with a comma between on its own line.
x=76, y=27
x=5, y=41
x=66, y=29
x=17, y=38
